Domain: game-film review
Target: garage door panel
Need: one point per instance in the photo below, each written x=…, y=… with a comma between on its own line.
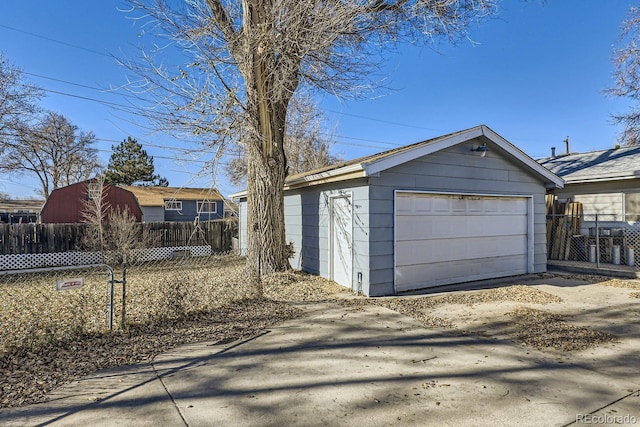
x=483, y=212
x=451, y=272
x=441, y=227
x=440, y=250
x=443, y=239
x=415, y=204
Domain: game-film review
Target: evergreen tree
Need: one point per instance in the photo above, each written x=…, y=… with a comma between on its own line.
x=129, y=164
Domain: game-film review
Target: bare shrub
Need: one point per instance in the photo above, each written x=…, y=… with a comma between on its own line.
x=112, y=231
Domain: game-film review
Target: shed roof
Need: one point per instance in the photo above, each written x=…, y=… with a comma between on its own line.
x=23, y=205
x=156, y=196
x=376, y=163
x=596, y=166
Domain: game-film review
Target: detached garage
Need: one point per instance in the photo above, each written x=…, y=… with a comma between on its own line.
x=462, y=207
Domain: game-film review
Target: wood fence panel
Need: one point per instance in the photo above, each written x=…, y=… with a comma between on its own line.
x=49, y=238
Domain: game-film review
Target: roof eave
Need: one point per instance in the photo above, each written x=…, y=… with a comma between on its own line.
x=548, y=176
x=601, y=179
x=344, y=173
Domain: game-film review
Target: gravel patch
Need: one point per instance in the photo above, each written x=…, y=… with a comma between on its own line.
x=619, y=283
x=607, y=281
x=546, y=331
x=420, y=307
x=515, y=293
x=300, y=287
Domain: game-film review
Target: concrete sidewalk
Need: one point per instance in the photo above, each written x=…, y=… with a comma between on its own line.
x=343, y=366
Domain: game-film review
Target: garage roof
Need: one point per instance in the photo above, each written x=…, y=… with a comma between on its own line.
x=377, y=163
x=374, y=164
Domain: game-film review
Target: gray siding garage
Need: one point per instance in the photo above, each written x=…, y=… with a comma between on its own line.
x=461, y=207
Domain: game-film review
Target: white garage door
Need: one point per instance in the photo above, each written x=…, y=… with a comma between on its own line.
x=442, y=238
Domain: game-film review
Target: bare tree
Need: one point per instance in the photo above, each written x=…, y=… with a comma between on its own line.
x=111, y=230
x=18, y=100
x=94, y=214
x=306, y=145
x=626, y=59
x=247, y=59
x=52, y=150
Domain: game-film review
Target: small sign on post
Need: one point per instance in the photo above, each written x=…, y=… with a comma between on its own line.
x=64, y=284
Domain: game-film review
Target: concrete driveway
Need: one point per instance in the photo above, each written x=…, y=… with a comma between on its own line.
x=367, y=365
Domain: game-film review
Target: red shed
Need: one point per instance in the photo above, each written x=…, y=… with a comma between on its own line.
x=65, y=205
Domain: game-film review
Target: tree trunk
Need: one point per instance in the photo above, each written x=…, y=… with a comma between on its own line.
x=267, y=251
x=266, y=171
x=266, y=241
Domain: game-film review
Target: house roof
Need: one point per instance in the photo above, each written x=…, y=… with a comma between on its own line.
x=156, y=196
x=604, y=165
x=374, y=164
x=23, y=205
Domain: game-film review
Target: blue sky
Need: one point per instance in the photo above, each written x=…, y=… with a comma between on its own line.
x=535, y=74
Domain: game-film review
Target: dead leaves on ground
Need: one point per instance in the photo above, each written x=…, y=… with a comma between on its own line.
x=29, y=376
x=173, y=305
x=544, y=330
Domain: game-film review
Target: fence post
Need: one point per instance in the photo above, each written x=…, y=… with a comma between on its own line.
x=124, y=293
x=111, y=290
x=597, y=243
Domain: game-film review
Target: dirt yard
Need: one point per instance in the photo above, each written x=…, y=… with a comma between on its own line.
x=568, y=317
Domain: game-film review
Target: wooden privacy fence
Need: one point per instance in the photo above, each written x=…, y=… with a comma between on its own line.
x=51, y=238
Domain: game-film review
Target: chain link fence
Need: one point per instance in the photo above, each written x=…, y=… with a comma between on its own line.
x=597, y=239
x=43, y=306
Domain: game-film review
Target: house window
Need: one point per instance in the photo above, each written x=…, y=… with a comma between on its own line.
x=207, y=207
x=93, y=190
x=173, y=205
x=632, y=207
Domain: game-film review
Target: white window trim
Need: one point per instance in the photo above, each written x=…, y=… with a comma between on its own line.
x=172, y=205
x=209, y=202
x=93, y=191
x=625, y=214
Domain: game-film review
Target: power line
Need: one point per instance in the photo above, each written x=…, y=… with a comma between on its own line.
x=382, y=120
x=130, y=110
x=110, y=56
x=55, y=41
x=126, y=107
x=126, y=95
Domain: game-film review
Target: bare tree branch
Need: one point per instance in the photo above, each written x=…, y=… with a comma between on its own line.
x=626, y=59
x=246, y=59
x=53, y=150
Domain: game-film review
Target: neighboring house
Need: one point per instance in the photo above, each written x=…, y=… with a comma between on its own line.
x=66, y=205
x=20, y=210
x=173, y=204
x=461, y=207
x=606, y=182
x=230, y=209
